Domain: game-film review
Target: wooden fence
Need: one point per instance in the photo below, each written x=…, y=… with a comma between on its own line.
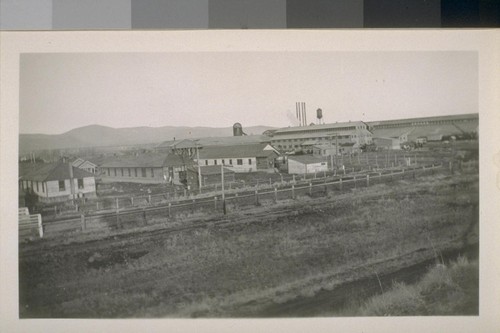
x=29, y=225
x=216, y=205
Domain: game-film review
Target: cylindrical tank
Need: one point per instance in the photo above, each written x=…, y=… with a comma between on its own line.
x=237, y=129
x=319, y=113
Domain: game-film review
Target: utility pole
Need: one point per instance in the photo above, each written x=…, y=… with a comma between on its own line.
x=223, y=194
x=199, y=169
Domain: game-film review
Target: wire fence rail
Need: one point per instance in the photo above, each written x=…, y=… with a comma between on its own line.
x=218, y=204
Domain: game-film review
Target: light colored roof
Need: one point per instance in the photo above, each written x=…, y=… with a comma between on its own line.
x=306, y=159
x=236, y=151
x=223, y=141
x=471, y=116
x=55, y=171
x=392, y=132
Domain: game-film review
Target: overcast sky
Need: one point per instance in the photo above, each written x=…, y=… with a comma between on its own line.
x=59, y=92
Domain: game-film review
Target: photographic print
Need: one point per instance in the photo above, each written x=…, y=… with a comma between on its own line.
x=249, y=183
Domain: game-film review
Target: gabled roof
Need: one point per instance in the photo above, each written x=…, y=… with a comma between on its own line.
x=55, y=171
x=392, y=132
x=331, y=126
x=148, y=160
x=306, y=159
x=222, y=141
x=236, y=151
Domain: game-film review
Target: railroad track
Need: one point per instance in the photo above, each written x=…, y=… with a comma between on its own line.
x=245, y=216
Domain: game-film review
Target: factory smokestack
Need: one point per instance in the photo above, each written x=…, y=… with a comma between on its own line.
x=300, y=109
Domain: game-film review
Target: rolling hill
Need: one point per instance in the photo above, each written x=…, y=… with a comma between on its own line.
x=98, y=136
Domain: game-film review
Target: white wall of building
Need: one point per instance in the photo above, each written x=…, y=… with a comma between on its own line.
x=248, y=164
x=295, y=167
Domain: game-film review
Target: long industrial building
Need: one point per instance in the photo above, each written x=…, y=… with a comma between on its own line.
x=359, y=133
x=293, y=138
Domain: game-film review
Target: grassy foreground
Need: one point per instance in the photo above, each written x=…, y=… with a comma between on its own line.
x=445, y=290
x=238, y=270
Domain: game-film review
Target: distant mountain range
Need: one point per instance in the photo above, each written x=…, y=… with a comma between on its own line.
x=98, y=136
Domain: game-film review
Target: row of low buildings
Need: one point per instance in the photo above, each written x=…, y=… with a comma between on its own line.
x=182, y=162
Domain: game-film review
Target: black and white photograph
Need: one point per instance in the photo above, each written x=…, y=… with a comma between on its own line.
x=248, y=182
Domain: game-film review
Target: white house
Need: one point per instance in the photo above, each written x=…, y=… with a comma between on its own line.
x=300, y=164
x=60, y=181
x=240, y=158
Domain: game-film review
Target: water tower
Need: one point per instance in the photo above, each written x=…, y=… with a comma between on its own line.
x=237, y=129
x=319, y=116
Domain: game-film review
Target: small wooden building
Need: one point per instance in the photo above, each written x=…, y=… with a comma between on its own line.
x=57, y=182
x=301, y=164
x=149, y=168
x=240, y=158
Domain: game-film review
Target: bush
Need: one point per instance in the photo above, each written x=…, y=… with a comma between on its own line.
x=444, y=290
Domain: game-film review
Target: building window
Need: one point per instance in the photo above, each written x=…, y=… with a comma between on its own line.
x=135, y=172
x=223, y=162
x=215, y=162
x=239, y=161
x=128, y=169
x=231, y=162
x=143, y=172
x=62, y=186
x=249, y=161
x=121, y=169
x=206, y=162
x=152, y=173
x=43, y=187
x=114, y=169
x=37, y=187
x=80, y=183
x=109, y=172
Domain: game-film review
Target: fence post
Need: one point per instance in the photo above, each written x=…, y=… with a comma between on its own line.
x=293, y=191
x=55, y=210
x=149, y=199
x=270, y=182
x=215, y=203
x=118, y=224
x=256, y=197
x=367, y=180
x=97, y=205
x=132, y=201
x=169, y=209
x=275, y=195
x=192, y=206
x=117, y=204
x=310, y=189
x=144, y=216
x=82, y=219
x=354, y=181
x=340, y=184
x=293, y=178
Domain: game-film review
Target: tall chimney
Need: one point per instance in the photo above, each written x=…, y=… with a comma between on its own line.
x=305, y=114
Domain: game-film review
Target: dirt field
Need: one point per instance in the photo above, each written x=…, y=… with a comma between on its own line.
x=257, y=258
